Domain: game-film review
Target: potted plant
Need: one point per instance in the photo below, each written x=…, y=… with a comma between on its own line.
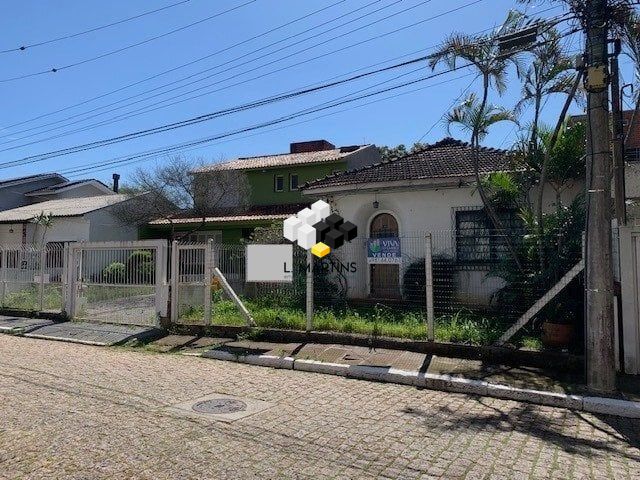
x=558, y=329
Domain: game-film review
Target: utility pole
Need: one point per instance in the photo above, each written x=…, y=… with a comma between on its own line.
x=600, y=355
x=618, y=138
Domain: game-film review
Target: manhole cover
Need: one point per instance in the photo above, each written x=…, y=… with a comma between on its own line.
x=219, y=405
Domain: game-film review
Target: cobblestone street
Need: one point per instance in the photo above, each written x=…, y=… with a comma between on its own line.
x=75, y=411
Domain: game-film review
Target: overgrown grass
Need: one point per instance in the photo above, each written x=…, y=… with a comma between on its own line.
x=28, y=298
x=461, y=327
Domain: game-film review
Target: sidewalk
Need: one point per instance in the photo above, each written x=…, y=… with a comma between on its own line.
x=537, y=385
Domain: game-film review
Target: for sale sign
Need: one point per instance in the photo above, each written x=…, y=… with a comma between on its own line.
x=384, y=250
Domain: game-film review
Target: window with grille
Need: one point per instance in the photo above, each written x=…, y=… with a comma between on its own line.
x=477, y=240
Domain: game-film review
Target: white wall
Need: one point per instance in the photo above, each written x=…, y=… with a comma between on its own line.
x=420, y=211
x=106, y=227
x=68, y=229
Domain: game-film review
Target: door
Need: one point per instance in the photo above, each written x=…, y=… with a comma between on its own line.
x=384, y=279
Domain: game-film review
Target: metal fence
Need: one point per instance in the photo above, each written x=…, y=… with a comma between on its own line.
x=452, y=278
x=33, y=277
x=119, y=282
x=448, y=275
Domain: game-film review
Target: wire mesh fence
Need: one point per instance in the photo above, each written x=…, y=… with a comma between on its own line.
x=379, y=285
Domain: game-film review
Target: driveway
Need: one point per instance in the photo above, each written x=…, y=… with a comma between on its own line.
x=76, y=411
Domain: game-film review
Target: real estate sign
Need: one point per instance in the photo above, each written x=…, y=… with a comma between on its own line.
x=384, y=250
x=269, y=263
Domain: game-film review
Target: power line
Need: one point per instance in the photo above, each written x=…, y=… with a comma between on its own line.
x=154, y=153
x=122, y=49
x=84, y=102
x=188, y=122
x=147, y=109
x=133, y=113
x=180, y=147
x=91, y=30
x=149, y=155
x=203, y=71
x=163, y=104
x=224, y=112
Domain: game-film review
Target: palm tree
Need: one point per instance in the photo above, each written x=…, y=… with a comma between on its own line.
x=548, y=73
x=476, y=116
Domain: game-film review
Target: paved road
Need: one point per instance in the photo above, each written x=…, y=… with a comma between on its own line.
x=77, y=411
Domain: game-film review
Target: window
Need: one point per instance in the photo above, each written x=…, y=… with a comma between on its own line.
x=293, y=181
x=278, y=183
x=477, y=239
x=203, y=237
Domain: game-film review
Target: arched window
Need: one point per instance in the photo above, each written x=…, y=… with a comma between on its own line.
x=383, y=225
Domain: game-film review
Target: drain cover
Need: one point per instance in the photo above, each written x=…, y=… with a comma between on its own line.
x=219, y=406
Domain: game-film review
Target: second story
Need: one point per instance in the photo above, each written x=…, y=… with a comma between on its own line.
x=275, y=179
x=18, y=192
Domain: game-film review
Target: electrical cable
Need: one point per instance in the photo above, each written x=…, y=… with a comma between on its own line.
x=122, y=49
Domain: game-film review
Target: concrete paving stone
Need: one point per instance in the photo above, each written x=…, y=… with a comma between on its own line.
x=16, y=325
x=88, y=412
x=170, y=342
x=102, y=334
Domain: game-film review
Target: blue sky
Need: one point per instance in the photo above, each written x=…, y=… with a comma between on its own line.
x=401, y=119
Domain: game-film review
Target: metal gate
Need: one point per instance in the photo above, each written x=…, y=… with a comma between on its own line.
x=32, y=277
x=119, y=282
x=191, y=273
x=629, y=252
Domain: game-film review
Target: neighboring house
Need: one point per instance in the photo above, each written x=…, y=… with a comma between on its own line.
x=81, y=210
x=273, y=183
x=16, y=192
x=432, y=190
x=73, y=220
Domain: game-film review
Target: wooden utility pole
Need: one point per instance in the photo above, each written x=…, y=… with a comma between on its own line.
x=600, y=356
x=618, y=138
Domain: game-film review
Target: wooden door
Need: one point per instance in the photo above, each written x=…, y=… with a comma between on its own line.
x=384, y=278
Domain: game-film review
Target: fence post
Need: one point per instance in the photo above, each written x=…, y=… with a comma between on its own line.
x=175, y=273
x=208, y=274
x=309, y=273
x=72, y=272
x=43, y=256
x=3, y=267
x=428, y=273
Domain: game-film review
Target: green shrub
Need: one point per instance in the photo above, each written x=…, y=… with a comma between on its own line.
x=115, y=272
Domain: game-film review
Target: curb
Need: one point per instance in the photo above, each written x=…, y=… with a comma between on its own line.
x=447, y=383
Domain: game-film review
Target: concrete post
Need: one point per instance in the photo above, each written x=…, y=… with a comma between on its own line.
x=428, y=283
x=309, y=308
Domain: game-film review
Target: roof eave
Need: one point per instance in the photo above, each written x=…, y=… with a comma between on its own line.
x=396, y=184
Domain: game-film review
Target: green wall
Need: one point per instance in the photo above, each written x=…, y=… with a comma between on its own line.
x=262, y=182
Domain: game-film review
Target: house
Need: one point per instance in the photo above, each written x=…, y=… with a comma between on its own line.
x=270, y=190
x=430, y=191
x=82, y=210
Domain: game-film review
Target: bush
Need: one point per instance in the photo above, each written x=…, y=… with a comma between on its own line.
x=413, y=282
x=115, y=272
x=140, y=266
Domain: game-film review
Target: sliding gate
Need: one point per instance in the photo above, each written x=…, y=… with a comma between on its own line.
x=119, y=282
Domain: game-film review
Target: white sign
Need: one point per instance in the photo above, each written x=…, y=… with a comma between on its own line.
x=269, y=263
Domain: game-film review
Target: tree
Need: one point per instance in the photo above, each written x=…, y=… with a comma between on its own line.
x=44, y=220
x=171, y=191
x=546, y=75
x=476, y=116
x=387, y=153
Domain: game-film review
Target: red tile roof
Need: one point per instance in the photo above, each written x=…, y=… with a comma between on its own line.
x=448, y=158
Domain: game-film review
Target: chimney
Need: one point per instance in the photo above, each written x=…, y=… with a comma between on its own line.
x=310, y=146
x=116, y=182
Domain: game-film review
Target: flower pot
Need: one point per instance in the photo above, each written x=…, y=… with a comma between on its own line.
x=557, y=334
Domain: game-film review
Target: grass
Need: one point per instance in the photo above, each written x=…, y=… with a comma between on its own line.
x=461, y=327
x=28, y=299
